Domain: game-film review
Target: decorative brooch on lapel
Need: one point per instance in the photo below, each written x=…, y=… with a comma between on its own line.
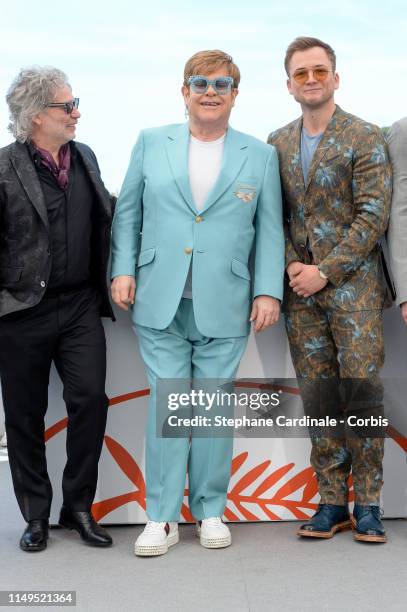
x=246, y=193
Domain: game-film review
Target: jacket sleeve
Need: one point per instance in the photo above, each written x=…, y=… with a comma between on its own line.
x=269, y=240
x=127, y=218
x=113, y=202
x=371, y=190
x=397, y=235
x=290, y=252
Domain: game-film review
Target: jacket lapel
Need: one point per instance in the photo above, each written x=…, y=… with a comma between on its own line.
x=25, y=170
x=327, y=142
x=294, y=157
x=234, y=156
x=177, y=153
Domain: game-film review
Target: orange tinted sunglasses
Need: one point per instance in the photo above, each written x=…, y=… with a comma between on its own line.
x=319, y=74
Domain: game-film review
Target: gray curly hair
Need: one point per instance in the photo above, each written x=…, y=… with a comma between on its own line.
x=30, y=92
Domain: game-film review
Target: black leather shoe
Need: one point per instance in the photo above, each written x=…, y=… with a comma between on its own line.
x=86, y=526
x=327, y=520
x=367, y=524
x=35, y=536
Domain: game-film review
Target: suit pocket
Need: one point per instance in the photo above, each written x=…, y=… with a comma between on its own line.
x=240, y=269
x=145, y=257
x=9, y=276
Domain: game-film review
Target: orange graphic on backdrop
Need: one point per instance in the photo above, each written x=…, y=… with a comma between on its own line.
x=252, y=506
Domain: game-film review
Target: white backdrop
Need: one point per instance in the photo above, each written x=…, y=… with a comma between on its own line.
x=272, y=478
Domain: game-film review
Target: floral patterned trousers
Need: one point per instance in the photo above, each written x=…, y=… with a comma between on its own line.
x=337, y=356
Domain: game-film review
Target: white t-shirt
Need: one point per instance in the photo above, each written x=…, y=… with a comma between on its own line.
x=204, y=164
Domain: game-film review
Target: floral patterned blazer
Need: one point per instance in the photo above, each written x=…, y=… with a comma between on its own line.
x=337, y=218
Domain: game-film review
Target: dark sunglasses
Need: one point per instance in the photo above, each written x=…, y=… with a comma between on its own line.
x=68, y=106
x=199, y=84
x=319, y=74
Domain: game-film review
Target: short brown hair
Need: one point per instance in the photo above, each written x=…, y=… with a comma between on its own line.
x=205, y=62
x=302, y=43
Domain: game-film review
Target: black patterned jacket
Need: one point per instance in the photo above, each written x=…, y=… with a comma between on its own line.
x=25, y=257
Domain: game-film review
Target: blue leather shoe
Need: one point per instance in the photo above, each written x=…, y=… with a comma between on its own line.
x=327, y=520
x=367, y=524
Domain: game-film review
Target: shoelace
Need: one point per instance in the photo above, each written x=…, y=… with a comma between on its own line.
x=214, y=521
x=153, y=527
x=375, y=510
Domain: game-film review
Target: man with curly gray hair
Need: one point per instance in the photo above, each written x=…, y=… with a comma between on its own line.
x=55, y=218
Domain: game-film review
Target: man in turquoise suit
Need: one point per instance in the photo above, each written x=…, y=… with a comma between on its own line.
x=197, y=199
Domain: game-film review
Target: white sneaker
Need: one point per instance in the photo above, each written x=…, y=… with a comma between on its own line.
x=156, y=539
x=213, y=533
x=3, y=440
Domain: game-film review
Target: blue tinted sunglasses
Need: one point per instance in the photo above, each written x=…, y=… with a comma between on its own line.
x=199, y=84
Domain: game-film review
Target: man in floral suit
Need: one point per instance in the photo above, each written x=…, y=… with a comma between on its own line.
x=336, y=181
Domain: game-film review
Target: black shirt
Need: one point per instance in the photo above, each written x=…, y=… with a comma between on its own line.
x=70, y=219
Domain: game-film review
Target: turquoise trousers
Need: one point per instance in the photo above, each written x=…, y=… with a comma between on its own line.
x=181, y=352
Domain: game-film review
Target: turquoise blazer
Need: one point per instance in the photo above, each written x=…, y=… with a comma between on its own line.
x=157, y=231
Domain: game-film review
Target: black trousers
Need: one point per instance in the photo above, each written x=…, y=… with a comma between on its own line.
x=65, y=329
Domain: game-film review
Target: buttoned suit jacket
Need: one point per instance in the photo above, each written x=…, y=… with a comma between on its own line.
x=25, y=255
x=157, y=229
x=397, y=234
x=341, y=212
